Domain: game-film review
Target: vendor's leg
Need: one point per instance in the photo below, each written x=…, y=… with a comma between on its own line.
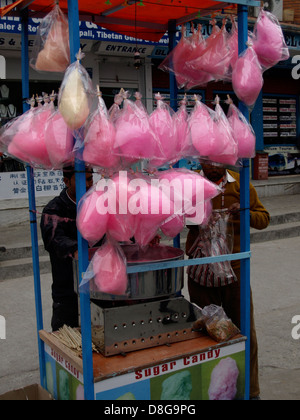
x=65, y=313
x=203, y=296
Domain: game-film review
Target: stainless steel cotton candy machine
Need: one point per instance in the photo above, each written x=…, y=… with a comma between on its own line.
x=152, y=313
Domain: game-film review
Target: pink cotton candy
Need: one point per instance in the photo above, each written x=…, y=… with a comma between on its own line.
x=269, y=43
x=229, y=155
x=110, y=271
x=204, y=131
x=99, y=142
x=90, y=222
x=182, y=129
x=59, y=141
x=188, y=189
x=193, y=74
x=223, y=383
x=202, y=214
x=243, y=133
x=180, y=53
x=154, y=208
x=29, y=140
x=134, y=136
x=173, y=227
x=121, y=224
x=215, y=59
x=247, y=79
x=162, y=124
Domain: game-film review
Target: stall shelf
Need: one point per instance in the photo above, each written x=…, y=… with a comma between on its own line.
x=155, y=20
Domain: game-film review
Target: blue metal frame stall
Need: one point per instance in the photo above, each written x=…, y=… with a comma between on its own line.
x=244, y=255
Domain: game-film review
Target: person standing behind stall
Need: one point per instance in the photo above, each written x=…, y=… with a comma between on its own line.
x=59, y=233
x=229, y=296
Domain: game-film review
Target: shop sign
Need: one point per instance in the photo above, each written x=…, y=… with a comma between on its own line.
x=14, y=184
x=124, y=49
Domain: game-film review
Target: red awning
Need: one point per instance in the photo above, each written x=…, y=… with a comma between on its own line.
x=137, y=18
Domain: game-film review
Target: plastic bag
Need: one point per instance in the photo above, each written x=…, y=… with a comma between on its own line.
x=162, y=124
x=75, y=97
x=174, y=226
x=217, y=324
x=51, y=51
x=107, y=272
x=134, y=136
x=204, y=131
x=247, y=78
x=174, y=62
x=27, y=135
x=91, y=220
x=99, y=139
x=188, y=191
x=194, y=76
x=215, y=239
x=233, y=45
x=269, y=42
x=215, y=59
x=185, y=147
x=59, y=140
x=122, y=224
x=152, y=207
x=229, y=154
x=243, y=132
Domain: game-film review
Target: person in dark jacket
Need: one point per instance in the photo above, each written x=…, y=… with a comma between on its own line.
x=59, y=233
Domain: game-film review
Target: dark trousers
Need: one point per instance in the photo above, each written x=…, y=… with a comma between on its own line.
x=229, y=298
x=65, y=312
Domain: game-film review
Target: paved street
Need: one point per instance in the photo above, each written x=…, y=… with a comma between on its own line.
x=276, y=290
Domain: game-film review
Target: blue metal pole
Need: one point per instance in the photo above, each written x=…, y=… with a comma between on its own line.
x=245, y=217
x=83, y=254
x=32, y=207
x=172, y=30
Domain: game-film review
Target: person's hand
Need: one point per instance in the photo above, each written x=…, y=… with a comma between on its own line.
x=155, y=241
x=234, y=210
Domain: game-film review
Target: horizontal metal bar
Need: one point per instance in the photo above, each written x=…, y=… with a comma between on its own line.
x=243, y=2
x=187, y=263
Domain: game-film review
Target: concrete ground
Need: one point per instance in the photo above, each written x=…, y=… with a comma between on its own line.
x=276, y=290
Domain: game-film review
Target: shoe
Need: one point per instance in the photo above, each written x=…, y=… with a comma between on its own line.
x=255, y=398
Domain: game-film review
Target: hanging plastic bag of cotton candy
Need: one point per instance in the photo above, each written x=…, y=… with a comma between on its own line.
x=242, y=131
x=229, y=155
x=176, y=59
x=28, y=141
x=247, y=77
x=215, y=59
x=135, y=139
x=9, y=130
x=182, y=129
x=107, y=272
x=203, y=130
x=99, y=138
x=162, y=124
x=92, y=217
x=150, y=205
x=233, y=45
x=76, y=95
x=59, y=140
x=51, y=51
x=194, y=76
x=188, y=191
x=268, y=41
x=122, y=224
